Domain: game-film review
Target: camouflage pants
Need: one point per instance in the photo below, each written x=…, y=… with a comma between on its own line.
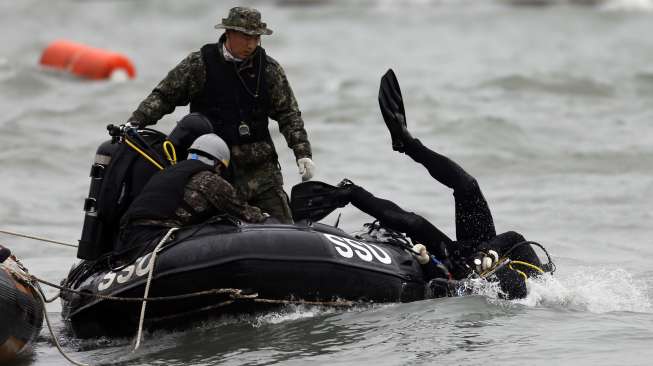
x=262, y=186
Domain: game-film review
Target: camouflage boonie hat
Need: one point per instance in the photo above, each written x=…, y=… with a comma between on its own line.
x=246, y=20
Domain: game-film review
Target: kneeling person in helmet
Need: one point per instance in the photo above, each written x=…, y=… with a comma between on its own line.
x=187, y=193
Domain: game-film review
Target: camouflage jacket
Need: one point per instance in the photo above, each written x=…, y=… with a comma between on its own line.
x=209, y=194
x=186, y=80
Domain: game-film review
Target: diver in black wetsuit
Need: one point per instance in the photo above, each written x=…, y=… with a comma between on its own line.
x=477, y=246
x=475, y=230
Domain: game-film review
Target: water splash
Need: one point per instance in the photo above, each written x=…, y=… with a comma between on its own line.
x=297, y=312
x=482, y=287
x=589, y=289
x=290, y=313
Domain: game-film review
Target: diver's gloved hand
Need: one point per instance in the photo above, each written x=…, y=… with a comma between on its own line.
x=421, y=254
x=485, y=261
x=306, y=168
x=434, y=268
x=132, y=123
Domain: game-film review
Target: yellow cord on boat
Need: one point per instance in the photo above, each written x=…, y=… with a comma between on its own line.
x=531, y=266
x=172, y=154
x=147, y=157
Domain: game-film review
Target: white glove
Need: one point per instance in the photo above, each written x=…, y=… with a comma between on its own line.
x=306, y=168
x=133, y=124
x=422, y=254
x=485, y=262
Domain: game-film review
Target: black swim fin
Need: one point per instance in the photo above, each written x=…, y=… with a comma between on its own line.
x=314, y=200
x=392, y=108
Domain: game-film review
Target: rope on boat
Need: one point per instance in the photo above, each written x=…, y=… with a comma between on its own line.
x=54, y=338
x=37, y=238
x=22, y=275
x=156, y=250
x=234, y=293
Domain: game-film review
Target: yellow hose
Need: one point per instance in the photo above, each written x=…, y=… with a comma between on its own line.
x=172, y=154
x=522, y=274
x=147, y=157
x=531, y=266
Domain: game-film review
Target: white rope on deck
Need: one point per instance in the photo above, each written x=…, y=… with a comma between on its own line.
x=147, y=285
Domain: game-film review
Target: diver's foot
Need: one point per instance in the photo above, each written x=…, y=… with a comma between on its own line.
x=400, y=138
x=391, y=104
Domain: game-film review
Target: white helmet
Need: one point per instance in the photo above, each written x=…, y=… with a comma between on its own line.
x=210, y=147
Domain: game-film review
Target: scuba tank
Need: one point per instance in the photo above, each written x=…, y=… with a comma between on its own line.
x=93, y=228
x=121, y=168
x=118, y=175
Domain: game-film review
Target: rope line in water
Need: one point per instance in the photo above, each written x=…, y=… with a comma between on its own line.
x=52, y=335
x=37, y=238
x=20, y=274
x=236, y=294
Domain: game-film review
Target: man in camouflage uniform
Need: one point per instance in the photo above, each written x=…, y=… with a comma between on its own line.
x=185, y=194
x=237, y=86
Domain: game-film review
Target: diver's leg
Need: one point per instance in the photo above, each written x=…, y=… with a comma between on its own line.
x=473, y=216
x=394, y=217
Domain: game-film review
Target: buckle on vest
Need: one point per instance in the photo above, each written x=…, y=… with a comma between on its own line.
x=243, y=129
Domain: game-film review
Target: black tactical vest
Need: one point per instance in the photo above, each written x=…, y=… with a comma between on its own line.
x=163, y=194
x=237, y=108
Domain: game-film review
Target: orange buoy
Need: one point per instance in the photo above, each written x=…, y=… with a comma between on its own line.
x=85, y=61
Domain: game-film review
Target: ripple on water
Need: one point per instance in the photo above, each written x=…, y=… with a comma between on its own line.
x=556, y=84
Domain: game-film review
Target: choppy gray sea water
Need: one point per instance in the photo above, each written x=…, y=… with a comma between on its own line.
x=548, y=106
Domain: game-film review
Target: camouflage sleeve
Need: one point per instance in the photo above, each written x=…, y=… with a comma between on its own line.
x=223, y=197
x=182, y=82
x=284, y=110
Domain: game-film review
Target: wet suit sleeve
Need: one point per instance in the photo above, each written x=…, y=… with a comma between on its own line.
x=222, y=196
x=284, y=110
x=394, y=217
x=180, y=85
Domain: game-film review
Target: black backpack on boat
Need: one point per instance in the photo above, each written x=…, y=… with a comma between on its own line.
x=118, y=175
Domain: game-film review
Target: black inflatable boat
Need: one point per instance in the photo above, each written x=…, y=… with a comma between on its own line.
x=312, y=262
